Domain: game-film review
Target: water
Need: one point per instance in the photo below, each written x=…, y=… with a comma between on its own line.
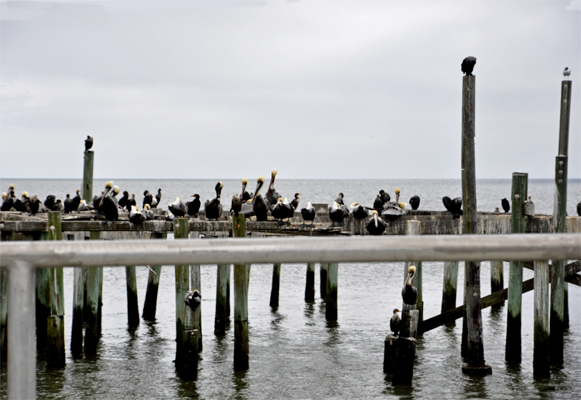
x=294, y=352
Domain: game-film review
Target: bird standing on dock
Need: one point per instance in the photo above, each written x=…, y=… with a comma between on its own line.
x=214, y=207
x=392, y=210
x=378, y=203
x=83, y=206
x=505, y=205
x=394, y=322
x=308, y=213
x=135, y=216
x=147, y=212
x=295, y=202
x=8, y=203
x=123, y=200
x=339, y=199
x=88, y=143
x=245, y=195
x=147, y=198
x=579, y=209
x=415, y=202
x=384, y=196
x=453, y=206
x=566, y=73
x=76, y=200
x=260, y=206
x=409, y=293
x=193, y=299
x=49, y=201
x=106, y=205
x=69, y=204
x=158, y=197
x=194, y=205
x=272, y=195
x=178, y=208
x=283, y=210
x=36, y=206
x=359, y=211
x=58, y=206
x=338, y=212
x=468, y=65
x=131, y=202
x=375, y=225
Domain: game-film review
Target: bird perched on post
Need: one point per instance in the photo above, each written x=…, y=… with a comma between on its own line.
x=505, y=205
x=193, y=299
x=409, y=293
x=178, y=208
x=453, y=206
x=338, y=212
x=88, y=143
x=394, y=322
x=566, y=73
x=214, y=207
x=236, y=205
x=468, y=65
x=135, y=216
x=194, y=205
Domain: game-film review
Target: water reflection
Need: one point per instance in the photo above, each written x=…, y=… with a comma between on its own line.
x=240, y=382
x=475, y=387
x=277, y=320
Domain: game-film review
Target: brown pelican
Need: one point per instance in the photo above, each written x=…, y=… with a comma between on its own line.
x=409, y=293
x=236, y=205
x=178, y=208
x=83, y=206
x=468, y=65
x=245, y=195
x=194, y=205
x=107, y=205
x=282, y=210
x=8, y=203
x=308, y=213
x=375, y=225
x=260, y=205
x=393, y=210
x=394, y=322
x=135, y=216
x=147, y=212
x=272, y=195
x=505, y=205
x=214, y=207
x=359, y=211
x=337, y=212
x=415, y=202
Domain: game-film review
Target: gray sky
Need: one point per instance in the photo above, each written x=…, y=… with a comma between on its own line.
x=316, y=89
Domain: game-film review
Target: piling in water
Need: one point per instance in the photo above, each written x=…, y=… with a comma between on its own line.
x=77, y=323
x=182, y=286
x=91, y=308
x=196, y=284
x=132, y=303
x=3, y=312
x=55, y=345
x=221, y=318
x=43, y=310
x=389, y=354
x=274, y=291
x=541, y=361
x=496, y=279
x=323, y=268
x=331, y=297
x=310, y=283
x=403, y=371
x=450, y=285
x=88, y=176
x=150, y=304
x=241, y=348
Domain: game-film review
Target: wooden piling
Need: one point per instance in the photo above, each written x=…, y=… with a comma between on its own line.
x=323, y=269
x=196, y=284
x=88, y=176
x=3, y=312
x=241, y=348
x=132, y=303
x=150, y=303
x=310, y=283
x=92, y=325
x=182, y=286
x=496, y=278
x=43, y=308
x=406, y=348
x=274, y=291
x=513, y=353
x=450, y=285
x=389, y=354
x=541, y=361
x=188, y=367
x=414, y=228
x=77, y=323
x=332, y=287
x=221, y=318
x=55, y=323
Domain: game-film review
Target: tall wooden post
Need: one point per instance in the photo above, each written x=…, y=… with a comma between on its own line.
x=541, y=362
x=88, y=176
x=474, y=345
x=132, y=303
x=559, y=222
x=77, y=322
x=196, y=284
x=496, y=279
x=43, y=307
x=55, y=323
x=92, y=325
x=450, y=285
x=275, y=289
x=3, y=312
x=182, y=282
x=517, y=225
x=323, y=270
x=221, y=317
x=414, y=228
x=310, y=284
x=332, y=288
x=241, y=349
x=403, y=370
x=150, y=303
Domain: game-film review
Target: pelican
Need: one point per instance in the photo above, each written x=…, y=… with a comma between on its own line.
x=147, y=212
x=214, y=207
x=8, y=203
x=415, y=202
x=394, y=322
x=135, y=216
x=295, y=202
x=505, y=205
x=10, y=192
x=260, y=205
x=308, y=213
x=107, y=205
x=359, y=211
x=409, y=293
x=375, y=225
x=36, y=206
x=337, y=212
x=178, y=208
x=272, y=195
x=194, y=205
x=282, y=210
x=393, y=210
x=468, y=65
x=245, y=195
x=193, y=298
x=83, y=206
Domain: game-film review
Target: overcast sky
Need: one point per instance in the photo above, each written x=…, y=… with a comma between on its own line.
x=316, y=89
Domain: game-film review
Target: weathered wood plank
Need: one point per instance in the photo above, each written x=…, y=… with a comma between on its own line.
x=541, y=360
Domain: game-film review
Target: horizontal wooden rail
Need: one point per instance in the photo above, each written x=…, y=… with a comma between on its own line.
x=295, y=250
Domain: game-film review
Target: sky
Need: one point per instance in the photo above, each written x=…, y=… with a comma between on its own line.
x=316, y=89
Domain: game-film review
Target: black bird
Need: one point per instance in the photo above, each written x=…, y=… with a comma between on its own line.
x=135, y=216
x=295, y=202
x=468, y=65
x=415, y=202
x=378, y=203
x=49, y=201
x=147, y=198
x=107, y=205
x=282, y=210
x=194, y=205
x=36, y=205
x=375, y=225
x=272, y=195
x=384, y=196
x=338, y=212
x=123, y=201
x=193, y=299
x=58, y=206
x=88, y=143
x=394, y=322
x=8, y=203
x=158, y=197
x=579, y=209
x=505, y=205
x=409, y=293
x=178, y=208
x=260, y=205
x=76, y=201
x=359, y=211
x=339, y=199
x=131, y=202
x=214, y=207
x=308, y=212
x=10, y=192
x=453, y=206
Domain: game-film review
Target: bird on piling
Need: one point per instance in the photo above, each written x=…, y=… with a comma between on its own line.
x=272, y=195
x=453, y=206
x=236, y=205
x=194, y=205
x=178, y=208
x=193, y=299
x=359, y=211
x=375, y=225
x=135, y=216
x=8, y=203
x=260, y=205
x=123, y=200
x=409, y=293
x=308, y=213
x=468, y=65
x=58, y=206
x=295, y=202
x=23, y=204
x=415, y=202
x=158, y=197
x=378, y=203
x=49, y=201
x=505, y=205
x=214, y=207
x=394, y=322
x=149, y=199
x=107, y=205
x=76, y=200
x=338, y=212
x=88, y=143
x=566, y=73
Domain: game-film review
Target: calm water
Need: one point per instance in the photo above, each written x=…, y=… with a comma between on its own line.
x=294, y=352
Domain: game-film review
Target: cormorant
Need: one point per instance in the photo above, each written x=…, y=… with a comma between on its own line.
x=49, y=201
x=260, y=205
x=272, y=195
x=308, y=212
x=149, y=199
x=295, y=202
x=282, y=210
x=378, y=203
x=58, y=206
x=194, y=205
x=178, y=208
x=135, y=216
x=415, y=202
x=8, y=203
x=123, y=201
x=384, y=196
x=394, y=322
x=453, y=206
x=88, y=143
x=375, y=225
x=359, y=211
x=468, y=65
x=36, y=205
x=158, y=197
x=505, y=205
x=214, y=207
x=339, y=199
x=76, y=200
x=409, y=293
x=193, y=299
x=338, y=212
x=131, y=201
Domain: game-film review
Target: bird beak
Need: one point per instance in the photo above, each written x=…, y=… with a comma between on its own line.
x=375, y=218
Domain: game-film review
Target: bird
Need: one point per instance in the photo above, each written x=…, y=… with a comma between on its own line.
x=88, y=143
x=178, y=208
x=271, y=194
x=135, y=216
x=338, y=212
x=58, y=206
x=409, y=293
x=245, y=195
x=384, y=196
x=339, y=199
x=295, y=202
x=378, y=203
x=308, y=213
x=359, y=211
x=505, y=205
x=566, y=73
x=375, y=225
x=193, y=299
x=260, y=205
x=36, y=206
x=453, y=206
x=148, y=212
x=147, y=198
x=8, y=203
x=49, y=201
x=158, y=197
x=194, y=205
x=76, y=200
x=236, y=205
x=114, y=192
x=123, y=201
x=83, y=206
x=579, y=209
x=10, y=192
x=468, y=65
x=107, y=205
x=394, y=322
x=131, y=201
x=496, y=209
x=415, y=202
x=282, y=210
x=392, y=210
x=214, y=207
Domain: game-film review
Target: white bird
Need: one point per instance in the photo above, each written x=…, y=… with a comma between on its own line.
x=566, y=72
